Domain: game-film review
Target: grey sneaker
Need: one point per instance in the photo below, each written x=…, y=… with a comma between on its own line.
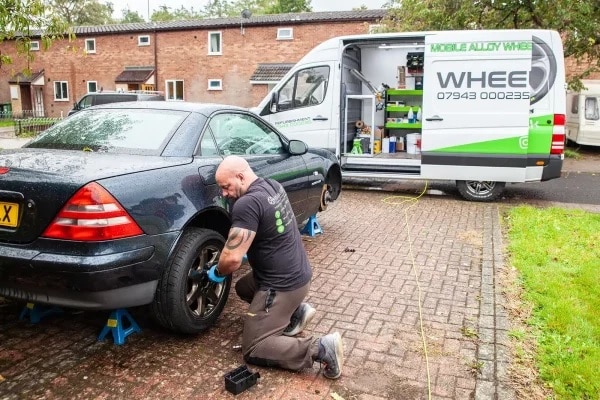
x=300, y=318
x=332, y=355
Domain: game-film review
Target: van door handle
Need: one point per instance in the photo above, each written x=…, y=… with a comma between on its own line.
x=320, y=118
x=434, y=118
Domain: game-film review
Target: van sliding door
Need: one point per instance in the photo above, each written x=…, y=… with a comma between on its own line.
x=476, y=105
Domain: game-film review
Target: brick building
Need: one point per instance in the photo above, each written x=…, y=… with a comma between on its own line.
x=231, y=60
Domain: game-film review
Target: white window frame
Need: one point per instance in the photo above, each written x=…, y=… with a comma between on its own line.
x=281, y=33
x=168, y=96
x=219, y=87
x=63, y=98
x=146, y=43
x=88, y=86
x=220, y=51
x=14, y=92
x=34, y=45
x=87, y=50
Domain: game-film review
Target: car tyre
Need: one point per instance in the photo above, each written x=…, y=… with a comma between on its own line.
x=187, y=305
x=480, y=190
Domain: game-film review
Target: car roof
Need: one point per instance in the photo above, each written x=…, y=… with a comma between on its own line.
x=203, y=108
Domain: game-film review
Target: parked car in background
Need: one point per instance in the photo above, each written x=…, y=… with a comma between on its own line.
x=99, y=98
x=118, y=206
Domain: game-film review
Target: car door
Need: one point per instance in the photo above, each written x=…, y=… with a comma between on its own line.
x=245, y=135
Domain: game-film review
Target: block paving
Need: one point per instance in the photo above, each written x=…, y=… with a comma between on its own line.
x=386, y=269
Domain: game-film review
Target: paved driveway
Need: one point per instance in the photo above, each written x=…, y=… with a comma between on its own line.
x=382, y=272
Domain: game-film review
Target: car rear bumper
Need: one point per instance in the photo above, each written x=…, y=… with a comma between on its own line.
x=128, y=296
x=123, y=275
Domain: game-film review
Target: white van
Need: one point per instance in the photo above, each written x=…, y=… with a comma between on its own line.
x=482, y=108
x=583, y=118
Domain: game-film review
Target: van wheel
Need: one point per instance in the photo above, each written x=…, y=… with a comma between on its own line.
x=187, y=305
x=480, y=190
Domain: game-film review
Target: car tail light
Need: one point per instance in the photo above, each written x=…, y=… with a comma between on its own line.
x=92, y=214
x=558, y=135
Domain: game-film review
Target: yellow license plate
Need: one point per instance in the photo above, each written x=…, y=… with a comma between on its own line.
x=9, y=214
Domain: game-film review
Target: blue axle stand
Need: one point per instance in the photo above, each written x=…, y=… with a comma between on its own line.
x=312, y=227
x=115, y=326
x=36, y=312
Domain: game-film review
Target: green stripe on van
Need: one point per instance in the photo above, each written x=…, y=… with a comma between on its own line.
x=499, y=146
x=538, y=142
x=540, y=134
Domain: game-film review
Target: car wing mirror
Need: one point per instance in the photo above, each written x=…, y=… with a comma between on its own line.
x=297, y=147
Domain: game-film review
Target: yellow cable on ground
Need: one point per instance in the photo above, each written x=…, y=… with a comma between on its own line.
x=414, y=200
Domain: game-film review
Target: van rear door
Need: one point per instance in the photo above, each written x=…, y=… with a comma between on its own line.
x=476, y=105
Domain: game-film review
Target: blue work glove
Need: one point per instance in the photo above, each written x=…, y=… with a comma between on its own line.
x=212, y=275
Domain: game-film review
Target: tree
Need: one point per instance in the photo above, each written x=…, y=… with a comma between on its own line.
x=131, y=16
x=21, y=19
x=164, y=13
x=83, y=12
x=577, y=21
x=289, y=6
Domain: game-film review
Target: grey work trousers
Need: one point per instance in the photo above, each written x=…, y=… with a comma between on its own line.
x=262, y=341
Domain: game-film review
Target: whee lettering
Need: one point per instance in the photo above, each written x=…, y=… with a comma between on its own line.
x=494, y=79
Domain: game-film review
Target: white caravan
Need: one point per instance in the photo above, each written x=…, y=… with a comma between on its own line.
x=583, y=118
x=482, y=108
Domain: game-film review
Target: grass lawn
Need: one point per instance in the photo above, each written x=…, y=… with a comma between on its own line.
x=6, y=122
x=557, y=255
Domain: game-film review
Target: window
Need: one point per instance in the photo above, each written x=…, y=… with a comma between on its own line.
x=207, y=145
x=61, y=91
x=215, y=84
x=14, y=92
x=306, y=88
x=214, y=43
x=285, y=33
x=591, y=109
x=244, y=134
x=574, y=104
x=144, y=40
x=92, y=86
x=34, y=45
x=90, y=45
x=174, y=90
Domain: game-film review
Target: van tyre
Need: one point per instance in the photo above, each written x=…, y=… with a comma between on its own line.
x=187, y=305
x=480, y=190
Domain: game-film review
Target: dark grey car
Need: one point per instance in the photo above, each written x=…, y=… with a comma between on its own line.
x=117, y=206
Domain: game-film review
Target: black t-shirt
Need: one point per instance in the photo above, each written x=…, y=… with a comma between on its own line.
x=277, y=254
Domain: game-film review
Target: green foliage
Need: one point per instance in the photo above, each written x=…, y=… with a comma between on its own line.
x=20, y=19
x=577, y=21
x=232, y=8
x=82, y=12
x=131, y=16
x=558, y=265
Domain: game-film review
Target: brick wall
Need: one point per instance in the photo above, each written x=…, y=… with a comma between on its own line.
x=180, y=55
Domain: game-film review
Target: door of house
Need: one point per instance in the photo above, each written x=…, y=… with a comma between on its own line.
x=38, y=101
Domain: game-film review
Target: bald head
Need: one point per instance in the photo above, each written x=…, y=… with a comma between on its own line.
x=234, y=176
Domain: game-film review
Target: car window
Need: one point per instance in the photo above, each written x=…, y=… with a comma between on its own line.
x=244, y=134
x=130, y=131
x=207, y=145
x=85, y=102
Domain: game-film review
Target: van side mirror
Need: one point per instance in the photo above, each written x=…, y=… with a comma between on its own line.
x=75, y=106
x=274, y=101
